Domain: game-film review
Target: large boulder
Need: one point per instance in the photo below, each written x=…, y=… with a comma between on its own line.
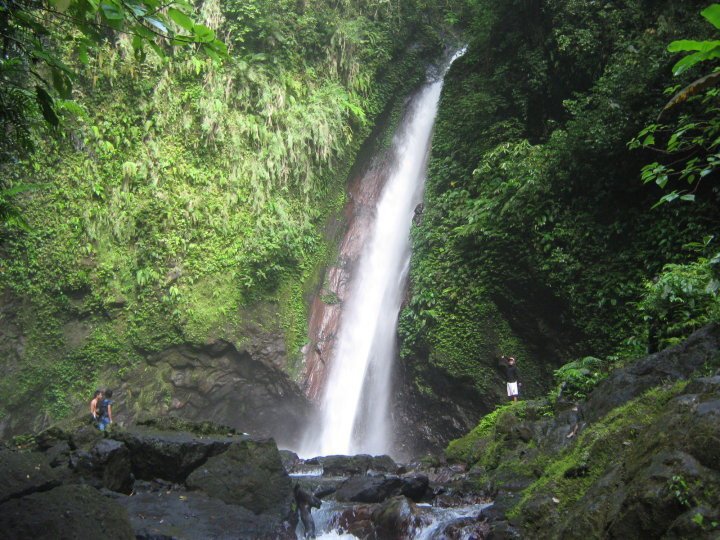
x=164, y=512
x=396, y=519
x=249, y=474
x=73, y=511
x=170, y=455
x=353, y=465
x=357, y=521
x=24, y=473
x=369, y=489
x=106, y=465
x=378, y=488
x=674, y=363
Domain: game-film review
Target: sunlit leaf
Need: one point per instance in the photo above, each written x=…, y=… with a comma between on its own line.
x=60, y=5
x=181, y=19
x=157, y=24
x=712, y=14
x=691, y=45
x=203, y=33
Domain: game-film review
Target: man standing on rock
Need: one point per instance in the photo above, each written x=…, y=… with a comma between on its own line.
x=511, y=376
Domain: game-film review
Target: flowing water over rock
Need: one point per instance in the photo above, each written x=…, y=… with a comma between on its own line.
x=355, y=397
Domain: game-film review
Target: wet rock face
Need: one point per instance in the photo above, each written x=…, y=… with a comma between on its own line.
x=396, y=519
x=244, y=389
x=369, y=489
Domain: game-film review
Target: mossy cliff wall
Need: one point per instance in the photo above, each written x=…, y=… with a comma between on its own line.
x=186, y=203
x=537, y=235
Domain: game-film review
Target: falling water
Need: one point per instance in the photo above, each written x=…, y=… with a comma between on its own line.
x=355, y=416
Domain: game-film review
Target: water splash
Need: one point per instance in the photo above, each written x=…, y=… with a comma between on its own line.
x=355, y=416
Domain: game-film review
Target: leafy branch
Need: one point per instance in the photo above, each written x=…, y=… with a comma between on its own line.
x=692, y=141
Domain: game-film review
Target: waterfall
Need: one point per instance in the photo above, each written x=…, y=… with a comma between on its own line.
x=355, y=405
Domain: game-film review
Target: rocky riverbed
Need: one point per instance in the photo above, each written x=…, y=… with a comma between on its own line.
x=637, y=459
x=183, y=480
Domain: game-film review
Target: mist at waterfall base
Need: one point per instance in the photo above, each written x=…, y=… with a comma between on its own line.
x=355, y=412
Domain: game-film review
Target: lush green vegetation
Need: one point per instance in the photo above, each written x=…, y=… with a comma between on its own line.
x=182, y=193
x=539, y=238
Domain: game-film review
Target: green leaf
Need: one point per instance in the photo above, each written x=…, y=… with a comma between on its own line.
x=211, y=53
x=157, y=23
x=203, y=33
x=181, y=19
x=112, y=12
x=60, y=5
x=140, y=30
x=83, y=53
x=687, y=62
x=158, y=50
x=219, y=47
x=61, y=83
x=692, y=45
x=712, y=14
x=46, y=103
x=182, y=40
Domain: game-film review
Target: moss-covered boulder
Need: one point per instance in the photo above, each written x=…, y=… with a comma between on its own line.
x=249, y=474
x=678, y=362
x=637, y=459
x=24, y=473
x=70, y=511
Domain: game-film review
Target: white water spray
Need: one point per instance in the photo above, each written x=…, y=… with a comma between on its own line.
x=355, y=415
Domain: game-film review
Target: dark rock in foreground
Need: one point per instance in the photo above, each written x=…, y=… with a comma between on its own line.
x=73, y=511
x=24, y=473
x=167, y=512
x=249, y=474
x=170, y=455
x=241, y=487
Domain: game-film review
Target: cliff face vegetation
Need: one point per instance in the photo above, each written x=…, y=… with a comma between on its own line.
x=539, y=238
x=183, y=199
